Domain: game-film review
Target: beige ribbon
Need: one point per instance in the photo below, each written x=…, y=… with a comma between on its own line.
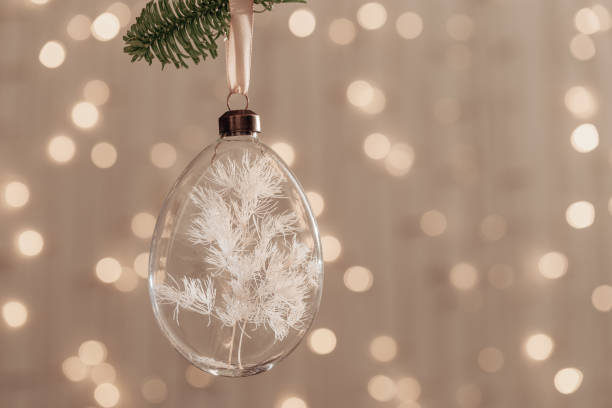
x=238, y=47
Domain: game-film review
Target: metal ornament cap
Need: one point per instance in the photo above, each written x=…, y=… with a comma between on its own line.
x=239, y=122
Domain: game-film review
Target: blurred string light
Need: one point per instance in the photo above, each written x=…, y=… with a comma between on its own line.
x=382, y=388
x=92, y=352
x=74, y=369
x=468, y=396
x=368, y=98
x=605, y=21
x=103, y=373
x=141, y=265
x=463, y=276
x=85, y=115
x=30, y=243
x=585, y=138
x=128, y=280
x=553, y=265
x=14, y=313
x=399, y=160
x=322, y=341
x=408, y=389
x=409, y=25
x=372, y=16
x=163, y=155
x=460, y=27
x=433, y=223
x=376, y=146
x=143, y=225
x=285, y=151
x=197, y=378
x=331, y=248
x=107, y=395
x=317, y=203
x=358, y=279
x=302, y=23
x=52, y=54
x=103, y=155
x=580, y=214
x=539, y=346
x=96, y=91
x=121, y=11
x=61, y=149
x=587, y=21
x=293, y=402
x=39, y=2
x=342, y=31
x=582, y=47
x=493, y=227
x=501, y=276
x=601, y=298
x=16, y=194
x=383, y=349
x=108, y=270
x=105, y=27
x=580, y=102
x=154, y=390
x=490, y=360
x=568, y=380
x=79, y=27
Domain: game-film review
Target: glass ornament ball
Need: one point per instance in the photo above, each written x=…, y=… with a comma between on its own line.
x=236, y=271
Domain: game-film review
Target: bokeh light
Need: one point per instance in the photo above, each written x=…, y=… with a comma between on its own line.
x=16, y=194
x=376, y=146
x=553, y=265
x=197, y=378
x=103, y=155
x=285, y=151
x=463, y=276
x=399, y=160
x=317, y=203
x=143, y=225
x=74, y=369
x=30, y=243
x=128, y=280
x=92, y=352
x=372, y=16
x=342, y=31
x=539, y=346
x=154, y=390
x=302, y=23
x=360, y=93
x=603, y=15
x=14, y=313
x=490, y=360
x=331, y=248
x=602, y=298
x=383, y=349
x=39, y=2
x=61, y=149
x=433, y=223
x=141, y=265
x=358, y=279
x=103, y=373
x=382, y=388
x=580, y=214
x=409, y=25
x=585, y=138
x=408, y=389
x=85, y=115
x=163, y=155
x=377, y=104
x=586, y=21
x=322, y=341
x=568, y=380
x=580, y=102
x=108, y=270
x=105, y=27
x=79, y=27
x=293, y=402
x=582, y=47
x=52, y=54
x=107, y=395
x=460, y=27
x=96, y=91
x=121, y=11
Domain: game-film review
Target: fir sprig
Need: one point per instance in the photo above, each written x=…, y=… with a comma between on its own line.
x=175, y=31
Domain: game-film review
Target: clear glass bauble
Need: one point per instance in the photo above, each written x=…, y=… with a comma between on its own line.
x=236, y=273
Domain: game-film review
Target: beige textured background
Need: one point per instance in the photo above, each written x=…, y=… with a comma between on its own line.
x=491, y=135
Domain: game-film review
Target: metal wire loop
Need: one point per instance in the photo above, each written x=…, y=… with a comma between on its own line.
x=237, y=93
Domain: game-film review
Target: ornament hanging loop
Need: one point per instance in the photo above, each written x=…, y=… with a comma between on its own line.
x=239, y=46
x=246, y=97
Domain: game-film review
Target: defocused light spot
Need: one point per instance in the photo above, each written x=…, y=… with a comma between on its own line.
x=342, y=31
x=501, y=276
x=141, y=265
x=74, y=369
x=377, y=104
x=372, y=16
x=582, y=47
x=447, y=110
x=121, y=11
x=433, y=223
x=103, y=155
x=79, y=27
x=85, y=115
x=539, y=346
x=382, y=388
x=16, y=194
x=108, y=270
x=322, y=341
x=464, y=276
x=358, y=279
x=302, y=23
x=376, y=146
x=580, y=102
x=285, y=151
x=493, y=227
x=52, y=54
x=39, y=2
x=383, y=349
x=61, y=149
x=293, y=402
x=460, y=27
x=490, y=360
x=197, y=378
x=360, y=93
x=553, y=265
x=408, y=389
x=105, y=27
x=331, y=248
x=107, y=395
x=585, y=138
x=399, y=160
x=409, y=25
x=163, y=155
x=317, y=204
x=154, y=390
x=30, y=243
x=468, y=396
x=92, y=352
x=605, y=21
x=586, y=21
x=128, y=281
x=143, y=225
x=602, y=298
x=580, y=214
x=103, y=373
x=96, y=91
x=568, y=380
x=14, y=313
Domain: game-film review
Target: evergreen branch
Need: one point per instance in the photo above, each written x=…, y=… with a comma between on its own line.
x=176, y=31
